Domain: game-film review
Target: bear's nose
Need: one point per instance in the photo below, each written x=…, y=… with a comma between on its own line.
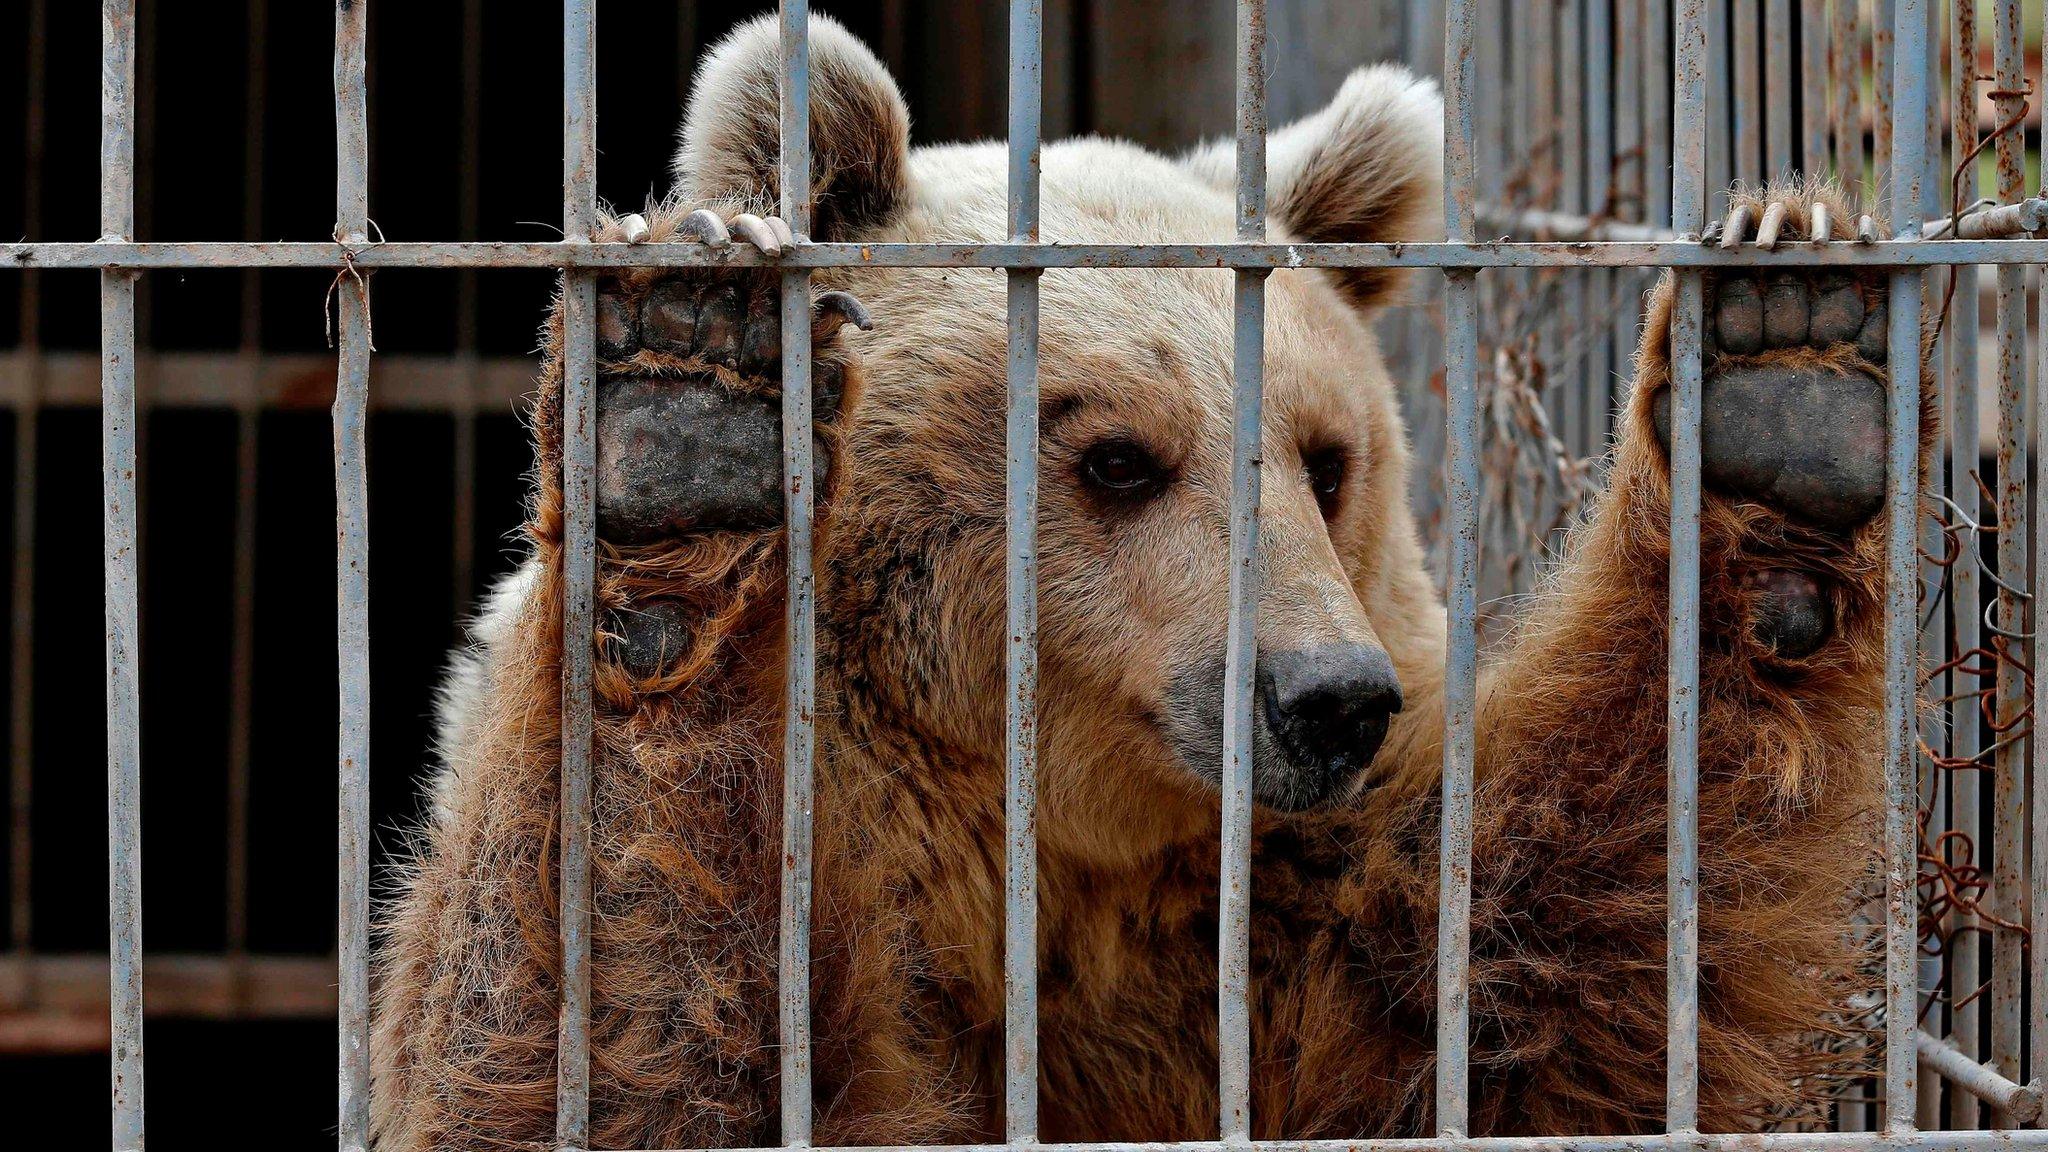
x=1327, y=707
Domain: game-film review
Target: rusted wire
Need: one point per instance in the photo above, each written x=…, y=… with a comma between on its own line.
x=1954, y=889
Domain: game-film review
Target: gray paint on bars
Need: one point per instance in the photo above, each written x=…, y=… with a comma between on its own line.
x=799, y=743
x=1020, y=717
x=117, y=483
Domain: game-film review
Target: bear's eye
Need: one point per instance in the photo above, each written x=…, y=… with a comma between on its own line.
x=1121, y=469
x=1326, y=468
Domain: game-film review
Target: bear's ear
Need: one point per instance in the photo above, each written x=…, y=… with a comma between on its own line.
x=860, y=129
x=1368, y=167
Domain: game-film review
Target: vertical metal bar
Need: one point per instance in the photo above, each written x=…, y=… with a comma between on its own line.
x=1657, y=88
x=1461, y=661
x=1965, y=588
x=1845, y=62
x=21, y=591
x=1720, y=110
x=1580, y=380
x=1628, y=184
x=2036, y=1036
x=242, y=654
x=1688, y=204
x=1241, y=651
x=1020, y=816
x=1932, y=963
x=1778, y=85
x=1492, y=132
x=1883, y=17
x=117, y=484
x=1909, y=106
x=1599, y=282
x=800, y=738
x=579, y=567
x=467, y=365
x=352, y=567
x=1749, y=91
x=1813, y=86
x=2008, y=806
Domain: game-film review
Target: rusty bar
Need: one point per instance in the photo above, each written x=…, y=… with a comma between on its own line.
x=21, y=589
x=1813, y=87
x=2008, y=804
x=118, y=488
x=1597, y=366
x=1932, y=963
x=799, y=736
x=1720, y=106
x=1688, y=213
x=579, y=568
x=352, y=567
x=1657, y=86
x=2022, y=1102
x=1883, y=19
x=1491, y=140
x=1628, y=183
x=1234, y=1031
x=1461, y=661
x=1746, y=36
x=1845, y=67
x=1778, y=88
x=1769, y=1141
x=468, y=363
x=1908, y=155
x=1876, y=253
x=1965, y=590
x=1020, y=813
x=242, y=641
x=1569, y=160
x=2037, y=1017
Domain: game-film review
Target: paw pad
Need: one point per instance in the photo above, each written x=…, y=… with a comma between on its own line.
x=689, y=423
x=1794, y=405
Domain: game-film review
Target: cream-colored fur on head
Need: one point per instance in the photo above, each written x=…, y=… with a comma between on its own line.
x=1367, y=167
x=860, y=129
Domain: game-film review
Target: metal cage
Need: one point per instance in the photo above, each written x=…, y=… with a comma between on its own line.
x=1678, y=163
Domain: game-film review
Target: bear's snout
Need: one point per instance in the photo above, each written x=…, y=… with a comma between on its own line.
x=1326, y=708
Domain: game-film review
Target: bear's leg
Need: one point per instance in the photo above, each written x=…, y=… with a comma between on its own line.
x=1573, y=764
x=1569, y=888
x=685, y=758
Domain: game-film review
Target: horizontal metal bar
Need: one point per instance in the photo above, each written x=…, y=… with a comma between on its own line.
x=284, y=381
x=549, y=254
x=2021, y=1101
x=1989, y=220
x=1978, y=1141
x=176, y=984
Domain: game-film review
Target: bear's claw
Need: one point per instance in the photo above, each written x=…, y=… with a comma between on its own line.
x=689, y=425
x=1787, y=420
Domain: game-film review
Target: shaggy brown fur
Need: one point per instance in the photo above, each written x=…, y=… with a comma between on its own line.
x=1569, y=888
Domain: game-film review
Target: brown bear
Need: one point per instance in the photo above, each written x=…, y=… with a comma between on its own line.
x=1568, y=936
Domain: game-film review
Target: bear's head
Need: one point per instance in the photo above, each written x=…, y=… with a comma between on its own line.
x=1135, y=419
